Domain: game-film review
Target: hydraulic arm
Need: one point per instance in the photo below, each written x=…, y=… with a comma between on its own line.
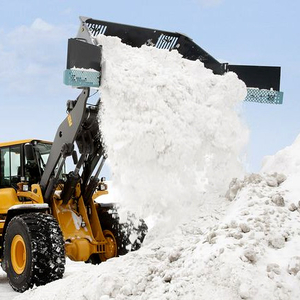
x=80, y=127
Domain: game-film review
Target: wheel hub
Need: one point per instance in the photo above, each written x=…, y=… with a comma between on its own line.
x=18, y=254
x=111, y=246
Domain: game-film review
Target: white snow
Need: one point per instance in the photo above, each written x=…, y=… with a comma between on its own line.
x=286, y=161
x=174, y=141
x=171, y=127
x=248, y=251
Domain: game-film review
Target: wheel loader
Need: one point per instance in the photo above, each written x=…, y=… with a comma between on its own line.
x=47, y=213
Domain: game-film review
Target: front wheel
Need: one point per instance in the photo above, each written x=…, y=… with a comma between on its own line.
x=33, y=251
x=111, y=249
x=120, y=237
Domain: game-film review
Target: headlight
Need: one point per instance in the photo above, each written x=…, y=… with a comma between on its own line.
x=102, y=187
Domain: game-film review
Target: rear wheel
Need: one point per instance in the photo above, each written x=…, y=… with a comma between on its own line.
x=33, y=251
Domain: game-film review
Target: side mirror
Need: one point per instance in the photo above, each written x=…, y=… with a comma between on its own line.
x=75, y=157
x=29, y=152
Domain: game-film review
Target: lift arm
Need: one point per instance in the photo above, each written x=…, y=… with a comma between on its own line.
x=80, y=127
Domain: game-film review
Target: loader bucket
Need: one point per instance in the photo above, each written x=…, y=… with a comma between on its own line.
x=263, y=82
x=83, y=64
x=137, y=36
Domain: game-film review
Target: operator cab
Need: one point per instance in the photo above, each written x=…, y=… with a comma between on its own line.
x=23, y=161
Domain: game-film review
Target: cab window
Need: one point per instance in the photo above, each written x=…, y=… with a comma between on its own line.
x=10, y=166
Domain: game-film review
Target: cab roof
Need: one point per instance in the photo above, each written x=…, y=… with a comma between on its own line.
x=19, y=142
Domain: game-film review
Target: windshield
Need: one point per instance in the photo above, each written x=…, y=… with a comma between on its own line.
x=35, y=164
x=43, y=152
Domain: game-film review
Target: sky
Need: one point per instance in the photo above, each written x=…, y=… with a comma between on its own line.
x=33, y=45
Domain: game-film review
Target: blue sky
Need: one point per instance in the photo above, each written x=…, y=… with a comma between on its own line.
x=33, y=41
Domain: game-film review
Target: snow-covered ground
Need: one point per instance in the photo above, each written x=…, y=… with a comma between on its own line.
x=174, y=138
x=246, y=248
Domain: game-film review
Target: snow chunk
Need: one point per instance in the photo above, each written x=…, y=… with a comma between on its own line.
x=277, y=242
x=244, y=227
x=251, y=256
x=294, y=265
x=278, y=200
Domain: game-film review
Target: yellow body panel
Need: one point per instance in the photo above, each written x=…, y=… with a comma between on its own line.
x=35, y=195
x=82, y=232
x=8, y=198
x=99, y=193
x=2, y=222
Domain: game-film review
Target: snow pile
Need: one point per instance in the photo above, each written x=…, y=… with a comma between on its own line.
x=250, y=251
x=286, y=161
x=263, y=223
x=170, y=126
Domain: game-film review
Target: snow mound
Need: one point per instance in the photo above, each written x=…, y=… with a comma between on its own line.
x=171, y=128
x=249, y=251
x=285, y=161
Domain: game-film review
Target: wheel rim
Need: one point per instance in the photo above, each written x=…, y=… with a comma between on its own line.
x=18, y=254
x=111, y=246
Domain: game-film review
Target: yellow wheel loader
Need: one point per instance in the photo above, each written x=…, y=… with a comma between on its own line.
x=47, y=213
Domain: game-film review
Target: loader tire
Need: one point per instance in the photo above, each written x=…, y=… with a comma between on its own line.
x=129, y=235
x=111, y=246
x=110, y=221
x=34, y=251
x=110, y=231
